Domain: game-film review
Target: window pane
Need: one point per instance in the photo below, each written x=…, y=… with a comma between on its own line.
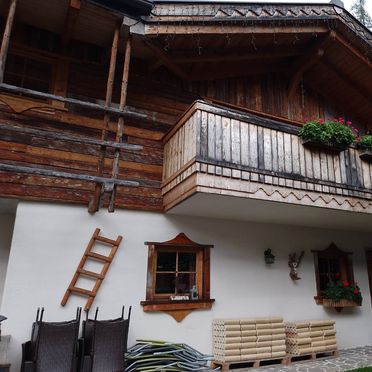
x=185, y=282
x=323, y=265
x=186, y=262
x=323, y=282
x=165, y=283
x=334, y=266
x=166, y=261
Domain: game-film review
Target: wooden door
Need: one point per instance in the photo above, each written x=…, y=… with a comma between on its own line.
x=369, y=267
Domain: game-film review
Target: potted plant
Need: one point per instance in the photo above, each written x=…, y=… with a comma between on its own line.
x=340, y=293
x=364, y=143
x=330, y=135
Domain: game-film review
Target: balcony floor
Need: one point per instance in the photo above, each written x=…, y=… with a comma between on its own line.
x=261, y=211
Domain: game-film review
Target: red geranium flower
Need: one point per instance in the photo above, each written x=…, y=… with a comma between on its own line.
x=356, y=291
x=345, y=283
x=337, y=275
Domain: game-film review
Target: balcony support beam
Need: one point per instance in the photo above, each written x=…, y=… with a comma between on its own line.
x=167, y=61
x=6, y=38
x=308, y=60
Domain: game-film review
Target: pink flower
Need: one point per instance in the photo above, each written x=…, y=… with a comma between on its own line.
x=335, y=120
x=348, y=122
x=321, y=121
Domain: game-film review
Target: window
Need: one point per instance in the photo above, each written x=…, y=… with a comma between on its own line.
x=175, y=272
x=329, y=262
x=175, y=269
x=28, y=73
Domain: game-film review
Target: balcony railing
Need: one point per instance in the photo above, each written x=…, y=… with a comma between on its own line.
x=222, y=151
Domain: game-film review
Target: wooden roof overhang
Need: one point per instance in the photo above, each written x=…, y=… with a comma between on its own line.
x=320, y=44
x=72, y=17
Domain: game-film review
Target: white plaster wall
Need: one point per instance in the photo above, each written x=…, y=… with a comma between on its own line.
x=6, y=231
x=50, y=239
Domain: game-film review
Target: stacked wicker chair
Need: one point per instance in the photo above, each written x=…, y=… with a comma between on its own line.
x=318, y=336
x=243, y=340
x=105, y=344
x=53, y=346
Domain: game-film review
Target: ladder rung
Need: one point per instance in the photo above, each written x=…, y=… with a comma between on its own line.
x=106, y=240
x=99, y=257
x=91, y=274
x=82, y=291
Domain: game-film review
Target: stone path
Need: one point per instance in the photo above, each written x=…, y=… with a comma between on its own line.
x=347, y=360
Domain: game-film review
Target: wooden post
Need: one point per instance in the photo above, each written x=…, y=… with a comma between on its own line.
x=60, y=81
x=94, y=205
x=120, y=127
x=6, y=38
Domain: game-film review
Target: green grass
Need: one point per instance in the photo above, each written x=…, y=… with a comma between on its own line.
x=366, y=369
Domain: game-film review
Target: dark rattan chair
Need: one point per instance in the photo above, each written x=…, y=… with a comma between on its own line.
x=53, y=346
x=105, y=344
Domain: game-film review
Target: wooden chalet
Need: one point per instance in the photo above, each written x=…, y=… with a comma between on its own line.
x=182, y=116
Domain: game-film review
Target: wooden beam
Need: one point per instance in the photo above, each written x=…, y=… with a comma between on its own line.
x=60, y=81
x=167, y=61
x=72, y=176
x=306, y=61
x=68, y=138
x=120, y=127
x=72, y=101
x=6, y=37
x=353, y=50
x=235, y=57
x=70, y=21
x=230, y=71
x=342, y=76
x=176, y=29
x=94, y=204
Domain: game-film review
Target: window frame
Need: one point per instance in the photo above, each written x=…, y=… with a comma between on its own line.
x=178, y=308
x=198, y=269
x=345, y=262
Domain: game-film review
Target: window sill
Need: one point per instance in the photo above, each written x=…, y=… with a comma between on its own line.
x=177, y=309
x=338, y=305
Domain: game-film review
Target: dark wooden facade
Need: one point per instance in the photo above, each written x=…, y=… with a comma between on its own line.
x=276, y=67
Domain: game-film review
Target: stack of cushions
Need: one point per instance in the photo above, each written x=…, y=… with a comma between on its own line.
x=310, y=337
x=244, y=340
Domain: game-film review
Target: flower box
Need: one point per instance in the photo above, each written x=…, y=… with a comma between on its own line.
x=334, y=149
x=366, y=155
x=340, y=304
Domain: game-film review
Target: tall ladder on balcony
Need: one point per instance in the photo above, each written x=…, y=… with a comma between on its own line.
x=98, y=277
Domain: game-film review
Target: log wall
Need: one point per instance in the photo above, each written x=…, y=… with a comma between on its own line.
x=161, y=99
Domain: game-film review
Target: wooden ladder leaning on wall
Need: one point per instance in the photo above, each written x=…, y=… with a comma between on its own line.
x=98, y=277
x=111, y=188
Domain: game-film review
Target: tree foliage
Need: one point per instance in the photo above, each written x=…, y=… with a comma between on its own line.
x=359, y=11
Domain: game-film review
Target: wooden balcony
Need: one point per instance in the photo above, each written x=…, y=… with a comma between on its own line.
x=225, y=163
